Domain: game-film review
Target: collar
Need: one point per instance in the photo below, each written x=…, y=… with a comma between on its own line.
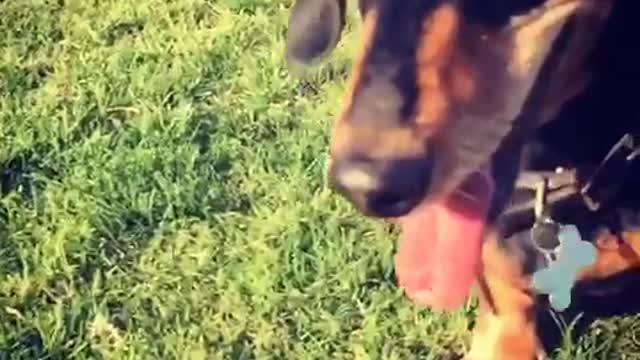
x=573, y=194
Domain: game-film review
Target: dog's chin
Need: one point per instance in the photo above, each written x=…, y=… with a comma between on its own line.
x=472, y=190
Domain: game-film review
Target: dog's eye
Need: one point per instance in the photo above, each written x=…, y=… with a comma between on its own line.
x=496, y=12
x=365, y=5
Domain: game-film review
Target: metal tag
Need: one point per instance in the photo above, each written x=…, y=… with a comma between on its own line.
x=557, y=279
x=545, y=235
x=565, y=251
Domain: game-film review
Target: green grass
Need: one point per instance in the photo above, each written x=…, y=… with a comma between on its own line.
x=163, y=196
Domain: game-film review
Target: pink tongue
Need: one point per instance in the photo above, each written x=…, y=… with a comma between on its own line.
x=439, y=255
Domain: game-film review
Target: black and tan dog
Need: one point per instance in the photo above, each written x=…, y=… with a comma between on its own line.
x=449, y=102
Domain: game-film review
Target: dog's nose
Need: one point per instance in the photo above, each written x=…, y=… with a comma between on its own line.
x=382, y=188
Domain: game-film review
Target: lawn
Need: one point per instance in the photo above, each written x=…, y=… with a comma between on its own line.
x=163, y=196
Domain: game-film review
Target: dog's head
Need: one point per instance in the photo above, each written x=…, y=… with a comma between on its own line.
x=435, y=94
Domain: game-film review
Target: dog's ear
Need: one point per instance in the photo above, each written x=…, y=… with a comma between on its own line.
x=315, y=26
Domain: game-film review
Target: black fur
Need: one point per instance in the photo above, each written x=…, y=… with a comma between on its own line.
x=496, y=12
x=315, y=27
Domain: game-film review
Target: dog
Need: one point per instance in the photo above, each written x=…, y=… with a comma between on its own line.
x=449, y=104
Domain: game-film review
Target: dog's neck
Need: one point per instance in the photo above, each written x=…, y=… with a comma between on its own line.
x=584, y=100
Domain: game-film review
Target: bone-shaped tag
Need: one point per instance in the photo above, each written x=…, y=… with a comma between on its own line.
x=558, y=279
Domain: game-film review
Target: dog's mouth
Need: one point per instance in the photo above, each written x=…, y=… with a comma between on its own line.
x=439, y=251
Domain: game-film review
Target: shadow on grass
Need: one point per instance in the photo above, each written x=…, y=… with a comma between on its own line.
x=29, y=344
x=617, y=297
x=18, y=79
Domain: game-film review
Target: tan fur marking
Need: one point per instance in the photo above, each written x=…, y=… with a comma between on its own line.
x=433, y=57
x=614, y=259
x=368, y=29
x=506, y=328
x=462, y=79
x=440, y=32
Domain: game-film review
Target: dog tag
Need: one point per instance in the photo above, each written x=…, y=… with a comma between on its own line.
x=545, y=235
x=571, y=256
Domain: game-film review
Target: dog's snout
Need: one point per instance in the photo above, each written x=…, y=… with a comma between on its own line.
x=381, y=188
